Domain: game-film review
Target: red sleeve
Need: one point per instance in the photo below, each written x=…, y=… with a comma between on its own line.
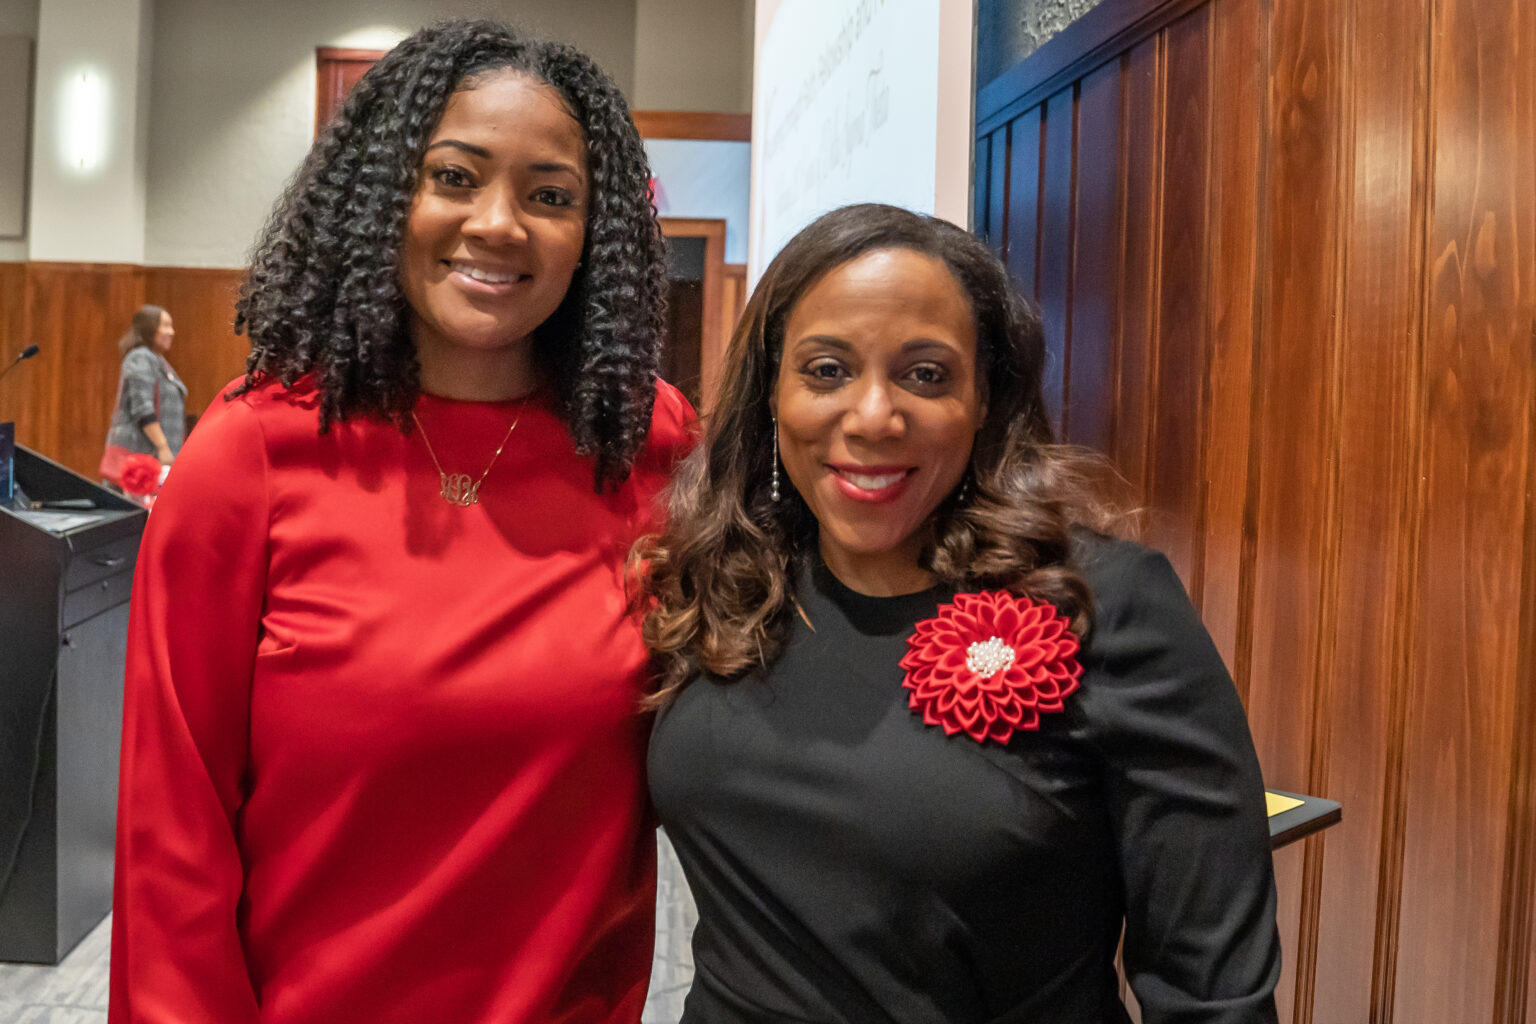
x=193, y=628
x=674, y=425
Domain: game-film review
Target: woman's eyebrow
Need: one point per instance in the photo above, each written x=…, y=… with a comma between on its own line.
x=829, y=340
x=556, y=167
x=472, y=150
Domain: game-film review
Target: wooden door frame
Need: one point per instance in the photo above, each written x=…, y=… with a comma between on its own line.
x=713, y=341
x=326, y=58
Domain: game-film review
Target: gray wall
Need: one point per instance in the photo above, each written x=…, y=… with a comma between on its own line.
x=229, y=107
x=693, y=55
x=233, y=97
x=17, y=18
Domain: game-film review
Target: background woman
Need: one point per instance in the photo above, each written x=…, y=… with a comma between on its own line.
x=380, y=759
x=151, y=411
x=929, y=740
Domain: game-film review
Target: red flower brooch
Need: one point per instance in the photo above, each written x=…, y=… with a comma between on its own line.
x=988, y=664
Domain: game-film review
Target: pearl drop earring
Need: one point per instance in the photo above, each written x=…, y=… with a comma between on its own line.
x=773, y=491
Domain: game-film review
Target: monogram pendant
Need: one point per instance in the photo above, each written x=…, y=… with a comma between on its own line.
x=459, y=490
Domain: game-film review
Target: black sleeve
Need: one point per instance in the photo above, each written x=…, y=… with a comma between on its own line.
x=1186, y=800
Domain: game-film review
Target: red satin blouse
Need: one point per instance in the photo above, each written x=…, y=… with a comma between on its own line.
x=381, y=755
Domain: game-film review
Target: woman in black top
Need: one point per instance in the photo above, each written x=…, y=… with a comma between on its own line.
x=928, y=738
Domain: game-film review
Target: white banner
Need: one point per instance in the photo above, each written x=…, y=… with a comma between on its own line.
x=845, y=110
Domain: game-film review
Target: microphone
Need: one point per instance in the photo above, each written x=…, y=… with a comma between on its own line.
x=26, y=353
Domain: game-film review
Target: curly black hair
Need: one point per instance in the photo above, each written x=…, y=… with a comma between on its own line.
x=322, y=293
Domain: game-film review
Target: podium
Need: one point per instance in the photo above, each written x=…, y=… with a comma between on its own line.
x=66, y=569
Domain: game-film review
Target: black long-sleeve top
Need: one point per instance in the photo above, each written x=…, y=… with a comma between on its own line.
x=851, y=863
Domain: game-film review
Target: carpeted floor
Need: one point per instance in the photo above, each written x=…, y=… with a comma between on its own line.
x=75, y=992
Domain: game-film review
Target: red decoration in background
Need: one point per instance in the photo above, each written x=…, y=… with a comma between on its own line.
x=141, y=475
x=989, y=664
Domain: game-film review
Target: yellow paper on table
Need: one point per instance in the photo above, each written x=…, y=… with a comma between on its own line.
x=1275, y=803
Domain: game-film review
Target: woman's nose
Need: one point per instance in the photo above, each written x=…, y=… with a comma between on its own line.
x=496, y=218
x=873, y=414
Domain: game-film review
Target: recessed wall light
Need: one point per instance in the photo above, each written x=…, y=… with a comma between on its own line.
x=84, y=127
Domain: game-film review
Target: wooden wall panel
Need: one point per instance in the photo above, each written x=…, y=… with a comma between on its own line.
x=1295, y=424
x=76, y=313
x=1058, y=125
x=1178, y=376
x=1375, y=451
x=13, y=300
x=1321, y=374
x=207, y=352
x=1089, y=393
x=1231, y=313
x=1515, y=983
x=981, y=195
x=1476, y=457
x=62, y=399
x=1021, y=177
x=1141, y=203
x=1529, y=981
x=997, y=206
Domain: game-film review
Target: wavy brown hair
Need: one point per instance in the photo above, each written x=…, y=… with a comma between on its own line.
x=141, y=329
x=720, y=581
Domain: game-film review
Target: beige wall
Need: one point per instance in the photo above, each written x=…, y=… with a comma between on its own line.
x=227, y=112
x=693, y=55
x=91, y=211
x=232, y=104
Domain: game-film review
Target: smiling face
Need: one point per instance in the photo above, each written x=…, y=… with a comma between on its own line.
x=878, y=403
x=494, y=234
x=164, y=334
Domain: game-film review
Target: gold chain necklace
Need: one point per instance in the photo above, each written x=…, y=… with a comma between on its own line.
x=456, y=487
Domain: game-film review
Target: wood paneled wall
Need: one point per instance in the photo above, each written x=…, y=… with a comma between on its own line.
x=62, y=399
x=1286, y=255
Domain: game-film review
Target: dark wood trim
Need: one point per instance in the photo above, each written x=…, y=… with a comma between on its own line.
x=1101, y=35
x=220, y=273
x=81, y=267
x=712, y=344
x=691, y=124
x=343, y=53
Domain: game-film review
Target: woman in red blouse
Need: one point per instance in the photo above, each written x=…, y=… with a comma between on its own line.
x=381, y=760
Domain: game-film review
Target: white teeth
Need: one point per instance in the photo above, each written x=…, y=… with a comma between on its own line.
x=872, y=483
x=470, y=270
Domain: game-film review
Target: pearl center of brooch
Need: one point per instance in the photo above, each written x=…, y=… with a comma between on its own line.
x=987, y=658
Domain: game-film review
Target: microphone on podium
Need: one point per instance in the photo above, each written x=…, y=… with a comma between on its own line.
x=25, y=354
